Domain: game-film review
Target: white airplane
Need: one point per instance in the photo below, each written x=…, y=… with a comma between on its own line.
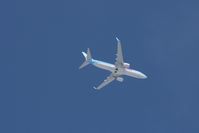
x=117, y=70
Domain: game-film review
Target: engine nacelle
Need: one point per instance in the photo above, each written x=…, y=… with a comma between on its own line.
x=126, y=65
x=120, y=79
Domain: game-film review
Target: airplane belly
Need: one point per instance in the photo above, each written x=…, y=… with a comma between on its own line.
x=106, y=67
x=103, y=65
x=134, y=73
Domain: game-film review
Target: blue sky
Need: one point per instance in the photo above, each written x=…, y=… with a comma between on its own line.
x=42, y=89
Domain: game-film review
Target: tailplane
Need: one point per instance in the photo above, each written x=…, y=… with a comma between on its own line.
x=88, y=58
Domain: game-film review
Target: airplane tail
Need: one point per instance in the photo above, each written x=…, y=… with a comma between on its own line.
x=88, y=59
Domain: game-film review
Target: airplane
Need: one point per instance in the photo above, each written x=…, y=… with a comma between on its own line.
x=119, y=69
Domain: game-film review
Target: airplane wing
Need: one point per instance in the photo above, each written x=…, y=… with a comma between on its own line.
x=119, y=59
x=108, y=80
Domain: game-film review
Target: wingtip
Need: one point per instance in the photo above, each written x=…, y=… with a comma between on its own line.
x=95, y=88
x=117, y=39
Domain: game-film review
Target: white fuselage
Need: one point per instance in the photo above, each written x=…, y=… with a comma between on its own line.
x=118, y=71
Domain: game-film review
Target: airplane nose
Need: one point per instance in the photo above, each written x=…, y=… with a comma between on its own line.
x=143, y=76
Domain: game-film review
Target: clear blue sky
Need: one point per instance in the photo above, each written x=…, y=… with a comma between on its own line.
x=42, y=90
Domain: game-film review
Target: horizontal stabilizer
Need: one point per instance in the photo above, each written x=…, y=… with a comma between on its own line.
x=84, y=64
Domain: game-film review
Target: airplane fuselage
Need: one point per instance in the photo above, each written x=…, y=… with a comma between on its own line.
x=118, y=71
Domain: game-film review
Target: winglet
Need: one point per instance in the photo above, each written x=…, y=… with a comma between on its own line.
x=94, y=88
x=117, y=39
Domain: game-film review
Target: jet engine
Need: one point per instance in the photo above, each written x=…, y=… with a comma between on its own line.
x=120, y=79
x=126, y=65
